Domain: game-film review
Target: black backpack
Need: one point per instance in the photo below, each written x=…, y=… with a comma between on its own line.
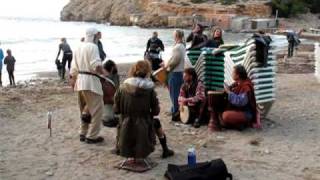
x=214, y=170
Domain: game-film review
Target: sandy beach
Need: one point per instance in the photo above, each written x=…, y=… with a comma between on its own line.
x=287, y=148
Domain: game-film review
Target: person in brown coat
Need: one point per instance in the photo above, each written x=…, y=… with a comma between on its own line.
x=136, y=102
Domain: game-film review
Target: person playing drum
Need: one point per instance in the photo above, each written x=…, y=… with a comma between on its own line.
x=192, y=95
x=240, y=111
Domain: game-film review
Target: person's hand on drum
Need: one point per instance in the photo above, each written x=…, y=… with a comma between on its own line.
x=227, y=89
x=183, y=101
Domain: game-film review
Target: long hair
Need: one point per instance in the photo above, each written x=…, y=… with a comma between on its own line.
x=141, y=69
x=241, y=71
x=110, y=66
x=192, y=88
x=180, y=35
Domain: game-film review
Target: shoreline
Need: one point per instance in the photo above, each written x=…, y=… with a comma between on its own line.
x=280, y=153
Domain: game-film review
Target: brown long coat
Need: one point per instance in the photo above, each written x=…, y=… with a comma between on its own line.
x=136, y=104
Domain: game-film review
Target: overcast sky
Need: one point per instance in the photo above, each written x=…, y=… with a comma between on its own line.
x=31, y=8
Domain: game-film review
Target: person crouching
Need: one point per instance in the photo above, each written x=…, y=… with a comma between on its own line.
x=192, y=94
x=241, y=108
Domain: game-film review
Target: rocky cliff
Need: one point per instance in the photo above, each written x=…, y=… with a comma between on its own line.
x=158, y=13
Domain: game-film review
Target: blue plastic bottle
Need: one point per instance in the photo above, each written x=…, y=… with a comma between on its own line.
x=192, y=159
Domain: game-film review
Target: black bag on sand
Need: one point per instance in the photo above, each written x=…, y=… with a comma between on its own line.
x=214, y=170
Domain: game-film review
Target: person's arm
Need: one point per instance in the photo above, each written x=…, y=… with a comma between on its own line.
x=60, y=47
x=155, y=107
x=101, y=51
x=95, y=61
x=161, y=45
x=190, y=37
x=200, y=94
x=148, y=45
x=1, y=55
x=239, y=100
x=116, y=105
x=5, y=60
x=182, y=97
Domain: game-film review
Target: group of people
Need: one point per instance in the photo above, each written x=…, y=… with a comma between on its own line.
x=9, y=61
x=133, y=106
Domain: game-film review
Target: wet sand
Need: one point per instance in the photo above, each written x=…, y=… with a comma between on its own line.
x=286, y=148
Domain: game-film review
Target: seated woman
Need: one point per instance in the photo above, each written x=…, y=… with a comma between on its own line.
x=136, y=102
x=216, y=39
x=111, y=74
x=192, y=94
x=241, y=107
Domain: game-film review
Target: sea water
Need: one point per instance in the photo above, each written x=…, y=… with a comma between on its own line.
x=32, y=30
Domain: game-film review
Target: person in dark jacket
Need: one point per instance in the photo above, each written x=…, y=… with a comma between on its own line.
x=197, y=38
x=67, y=56
x=10, y=61
x=293, y=41
x=154, y=47
x=262, y=41
x=137, y=126
x=100, y=46
x=216, y=39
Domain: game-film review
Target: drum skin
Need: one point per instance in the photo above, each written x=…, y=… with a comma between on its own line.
x=184, y=114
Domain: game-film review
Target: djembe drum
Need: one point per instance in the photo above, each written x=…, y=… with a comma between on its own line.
x=161, y=75
x=217, y=102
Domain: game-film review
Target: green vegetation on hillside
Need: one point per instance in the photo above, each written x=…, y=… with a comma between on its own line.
x=289, y=8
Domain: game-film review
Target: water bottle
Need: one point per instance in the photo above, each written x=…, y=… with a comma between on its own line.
x=192, y=159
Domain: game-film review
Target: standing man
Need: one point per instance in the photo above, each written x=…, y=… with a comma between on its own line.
x=154, y=47
x=67, y=56
x=1, y=58
x=293, y=41
x=10, y=61
x=84, y=77
x=102, y=54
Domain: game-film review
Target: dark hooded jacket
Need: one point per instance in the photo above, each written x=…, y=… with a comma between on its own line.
x=136, y=101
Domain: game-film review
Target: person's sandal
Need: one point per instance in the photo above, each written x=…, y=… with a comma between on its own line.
x=95, y=141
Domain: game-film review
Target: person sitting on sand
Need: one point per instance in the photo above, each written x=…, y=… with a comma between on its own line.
x=111, y=74
x=84, y=70
x=197, y=38
x=216, y=39
x=241, y=109
x=136, y=102
x=10, y=61
x=192, y=94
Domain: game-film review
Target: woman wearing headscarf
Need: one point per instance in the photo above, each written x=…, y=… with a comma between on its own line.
x=216, y=39
x=241, y=107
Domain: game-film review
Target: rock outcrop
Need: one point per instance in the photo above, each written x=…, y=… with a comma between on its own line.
x=158, y=13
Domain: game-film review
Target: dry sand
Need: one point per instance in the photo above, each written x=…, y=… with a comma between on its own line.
x=286, y=149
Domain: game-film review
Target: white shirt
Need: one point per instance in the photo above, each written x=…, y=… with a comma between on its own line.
x=86, y=58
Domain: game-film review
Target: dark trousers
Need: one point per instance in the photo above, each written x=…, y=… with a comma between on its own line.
x=67, y=58
x=290, y=49
x=0, y=78
x=11, y=77
x=175, y=82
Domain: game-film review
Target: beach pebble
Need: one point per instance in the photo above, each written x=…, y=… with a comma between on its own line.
x=267, y=151
x=49, y=173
